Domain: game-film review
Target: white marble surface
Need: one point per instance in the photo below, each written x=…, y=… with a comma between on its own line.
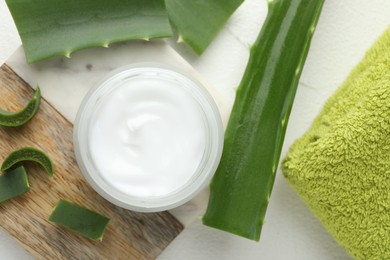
x=346, y=30
x=65, y=82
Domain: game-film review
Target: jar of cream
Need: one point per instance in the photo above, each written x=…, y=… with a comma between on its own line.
x=148, y=137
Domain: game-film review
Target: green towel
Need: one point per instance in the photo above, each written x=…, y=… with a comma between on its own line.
x=341, y=166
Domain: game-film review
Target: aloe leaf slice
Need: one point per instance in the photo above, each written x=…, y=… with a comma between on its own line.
x=79, y=219
x=28, y=154
x=199, y=21
x=241, y=187
x=57, y=27
x=13, y=184
x=23, y=116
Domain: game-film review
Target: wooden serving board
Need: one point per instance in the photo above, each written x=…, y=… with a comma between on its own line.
x=129, y=235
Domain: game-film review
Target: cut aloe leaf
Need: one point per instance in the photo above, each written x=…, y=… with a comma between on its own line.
x=242, y=185
x=28, y=154
x=57, y=27
x=79, y=219
x=13, y=184
x=23, y=116
x=198, y=22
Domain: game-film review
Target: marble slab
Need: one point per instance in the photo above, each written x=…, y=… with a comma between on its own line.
x=64, y=82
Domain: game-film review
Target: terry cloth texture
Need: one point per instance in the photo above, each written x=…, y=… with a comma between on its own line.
x=341, y=166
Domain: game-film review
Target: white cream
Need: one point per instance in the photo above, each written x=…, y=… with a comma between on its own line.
x=147, y=136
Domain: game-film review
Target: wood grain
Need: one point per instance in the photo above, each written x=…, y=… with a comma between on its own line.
x=129, y=235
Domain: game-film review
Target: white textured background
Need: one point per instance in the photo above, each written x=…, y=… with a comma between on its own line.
x=345, y=31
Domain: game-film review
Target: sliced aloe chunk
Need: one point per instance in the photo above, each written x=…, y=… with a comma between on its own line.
x=23, y=116
x=59, y=27
x=198, y=22
x=79, y=219
x=13, y=184
x=28, y=154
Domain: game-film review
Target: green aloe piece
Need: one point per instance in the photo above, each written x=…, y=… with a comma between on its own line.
x=79, y=219
x=13, y=184
x=241, y=187
x=23, y=116
x=60, y=27
x=199, y=21
x=28, y=154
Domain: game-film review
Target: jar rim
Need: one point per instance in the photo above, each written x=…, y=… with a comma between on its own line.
x=199, y=179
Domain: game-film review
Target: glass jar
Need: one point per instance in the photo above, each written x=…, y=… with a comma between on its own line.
x=207, y=166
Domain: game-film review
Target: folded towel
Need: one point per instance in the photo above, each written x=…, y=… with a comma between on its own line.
x=341, y=166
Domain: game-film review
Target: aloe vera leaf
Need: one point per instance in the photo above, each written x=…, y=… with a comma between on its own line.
x=59, y=27
x=28, y=154
x=199, y=21
x=79, y=219
x=13, y=184
x=23, y=116
x=241, y=187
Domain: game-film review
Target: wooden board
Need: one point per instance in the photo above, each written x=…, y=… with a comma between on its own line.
x=129, y=235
